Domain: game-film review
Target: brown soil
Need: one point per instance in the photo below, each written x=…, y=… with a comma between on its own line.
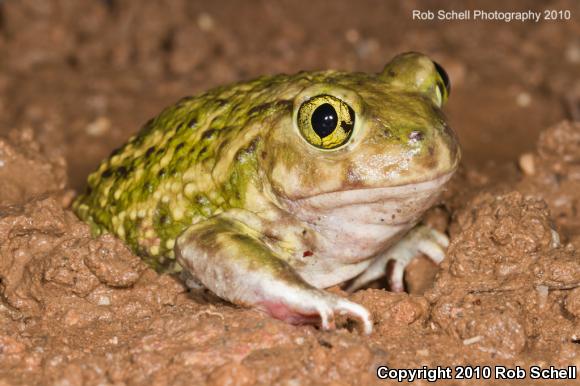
x=78, y=78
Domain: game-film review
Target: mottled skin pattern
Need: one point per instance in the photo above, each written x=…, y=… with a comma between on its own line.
x=226, y=175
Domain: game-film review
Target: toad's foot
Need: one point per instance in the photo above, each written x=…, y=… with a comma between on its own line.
x=421, y=239
x=230, y=259
x=312, y=306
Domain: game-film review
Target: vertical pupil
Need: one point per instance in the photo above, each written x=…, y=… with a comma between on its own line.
x=324, y=120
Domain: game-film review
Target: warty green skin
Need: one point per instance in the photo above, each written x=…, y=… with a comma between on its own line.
x=231, y=165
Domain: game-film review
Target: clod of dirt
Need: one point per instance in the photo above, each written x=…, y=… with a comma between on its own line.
x=504, y=277
x=24, y=171
x=47, y=254
x=394, y=314
x=556, y=174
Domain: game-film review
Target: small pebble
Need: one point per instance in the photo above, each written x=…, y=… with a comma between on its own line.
x=543, y=292
x=523, y=99
x=527, y=164
x=205, y=22
x=555, y=243
x=98, y=127
x=352, y=35
x=473, y=340
x=573, y=53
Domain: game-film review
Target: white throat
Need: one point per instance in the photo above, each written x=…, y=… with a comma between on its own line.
x=355, y=225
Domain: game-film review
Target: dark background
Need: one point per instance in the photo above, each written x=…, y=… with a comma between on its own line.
x=86, y=74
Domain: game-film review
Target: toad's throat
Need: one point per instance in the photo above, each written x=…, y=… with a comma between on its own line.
x=357, y=224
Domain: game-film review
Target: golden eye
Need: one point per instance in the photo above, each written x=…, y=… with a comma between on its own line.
x=443, y=84
x=325, y=121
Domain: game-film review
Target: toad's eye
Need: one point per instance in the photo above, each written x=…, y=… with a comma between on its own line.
x=325, y=121
x=443, y=84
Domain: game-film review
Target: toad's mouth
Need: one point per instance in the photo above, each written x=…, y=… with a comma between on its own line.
x=364, y=196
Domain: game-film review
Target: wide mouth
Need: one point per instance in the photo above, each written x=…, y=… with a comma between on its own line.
x=348, y=197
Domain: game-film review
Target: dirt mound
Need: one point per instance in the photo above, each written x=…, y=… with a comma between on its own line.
x=553, y=174
x=25, y=171
x=86, y=310
x=504, y=281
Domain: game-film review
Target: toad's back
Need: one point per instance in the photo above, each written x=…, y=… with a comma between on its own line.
x=188, y=163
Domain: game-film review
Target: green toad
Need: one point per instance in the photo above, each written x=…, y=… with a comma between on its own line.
x=269, y=191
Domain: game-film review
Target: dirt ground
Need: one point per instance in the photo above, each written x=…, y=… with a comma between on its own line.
x=77, y=78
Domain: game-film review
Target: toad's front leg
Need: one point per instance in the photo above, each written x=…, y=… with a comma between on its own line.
x=421, y=239
x=229, y=259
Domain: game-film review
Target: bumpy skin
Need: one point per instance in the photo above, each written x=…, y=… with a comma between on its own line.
x=225, y=185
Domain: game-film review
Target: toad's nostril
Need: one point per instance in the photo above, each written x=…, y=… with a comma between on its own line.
x=415, y=136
